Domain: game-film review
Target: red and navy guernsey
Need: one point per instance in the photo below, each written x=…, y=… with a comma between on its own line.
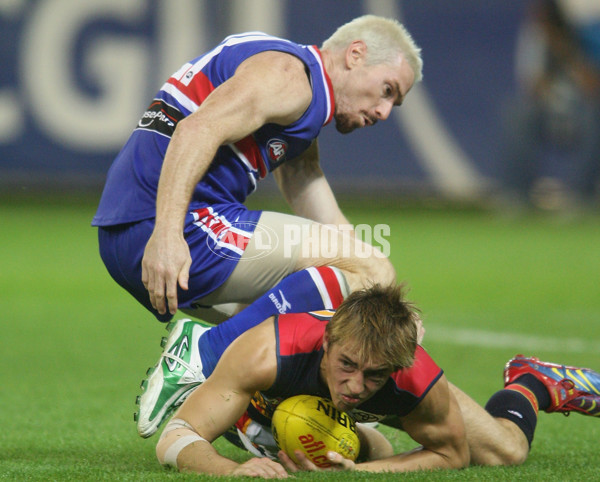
x=299, y=353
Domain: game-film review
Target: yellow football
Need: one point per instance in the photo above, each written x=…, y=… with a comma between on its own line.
x=314, y=426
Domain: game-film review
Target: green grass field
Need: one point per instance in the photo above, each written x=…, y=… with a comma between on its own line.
x=75, y=346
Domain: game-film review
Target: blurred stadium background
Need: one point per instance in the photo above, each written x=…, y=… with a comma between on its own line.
x=75, y=77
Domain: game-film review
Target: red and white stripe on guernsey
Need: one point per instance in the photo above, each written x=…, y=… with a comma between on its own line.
x=248, y=152
x=221, y=231
x=327, y=81
x=191, y=89
x=331, y=285
x=190, y=86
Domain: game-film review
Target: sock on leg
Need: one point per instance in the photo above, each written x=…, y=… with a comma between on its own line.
x=520, y=402
x=311, y=289
x=536, y=387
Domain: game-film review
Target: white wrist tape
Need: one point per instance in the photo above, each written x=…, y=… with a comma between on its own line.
x=174, y=424
x=181, y=443
x=182, y=434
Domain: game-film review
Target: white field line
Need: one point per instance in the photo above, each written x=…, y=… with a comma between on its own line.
x=526, y=344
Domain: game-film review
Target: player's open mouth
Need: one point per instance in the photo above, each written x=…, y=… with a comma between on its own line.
x=350, y=400
x=368, y=120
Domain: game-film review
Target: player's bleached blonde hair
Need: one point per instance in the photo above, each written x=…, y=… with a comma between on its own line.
x=384, y=37
x=379, y=324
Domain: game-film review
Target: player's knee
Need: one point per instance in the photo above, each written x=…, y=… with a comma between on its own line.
x=514, y=456
x=360, y=277
x=379, y=269
x=387, y=270
x=506, y=456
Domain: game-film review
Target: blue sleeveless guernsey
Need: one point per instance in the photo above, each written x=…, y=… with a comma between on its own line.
x=130, y=191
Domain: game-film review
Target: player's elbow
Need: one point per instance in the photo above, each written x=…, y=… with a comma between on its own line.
x=462, y=456
x=454, y=455
x=506, y=455
x=457, y=453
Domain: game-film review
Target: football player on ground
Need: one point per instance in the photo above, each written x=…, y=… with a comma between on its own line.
x=365, y=358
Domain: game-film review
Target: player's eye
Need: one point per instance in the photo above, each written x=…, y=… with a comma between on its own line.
x=377, y=377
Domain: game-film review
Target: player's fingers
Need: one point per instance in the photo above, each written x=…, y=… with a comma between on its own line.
x=157, y=298
x=171, y=300
x=156, y=291
x=273, y=470
x=262, y=467
x=184, y=276
x=287, y=462
x=304, y=462
x=149, y=281
x=144, y=276
x=339, y=461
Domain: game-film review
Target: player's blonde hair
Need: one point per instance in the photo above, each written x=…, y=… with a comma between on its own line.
x=385, y=38
x=379, y=324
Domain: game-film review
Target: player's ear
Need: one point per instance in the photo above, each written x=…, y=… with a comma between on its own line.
x=356, y=53
x=325, y=342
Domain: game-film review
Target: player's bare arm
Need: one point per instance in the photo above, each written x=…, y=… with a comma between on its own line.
x=373, y=444
x=268, y=87
x=306, y=190
x=438, y=426
x=248, y=365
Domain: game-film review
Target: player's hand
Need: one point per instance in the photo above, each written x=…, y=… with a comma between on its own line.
x=261, y=467
x=166, y=264
x=304, y=463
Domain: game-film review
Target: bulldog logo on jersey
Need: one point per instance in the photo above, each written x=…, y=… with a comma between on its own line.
x=277, y=149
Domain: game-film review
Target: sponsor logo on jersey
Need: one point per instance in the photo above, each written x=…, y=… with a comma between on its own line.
x=277, y=149
x=364, y=417
x=160, y=117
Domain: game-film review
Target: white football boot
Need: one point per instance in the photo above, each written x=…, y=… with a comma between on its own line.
x=177, y=373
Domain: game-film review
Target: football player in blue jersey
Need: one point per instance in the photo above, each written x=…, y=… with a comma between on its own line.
x=173, y=227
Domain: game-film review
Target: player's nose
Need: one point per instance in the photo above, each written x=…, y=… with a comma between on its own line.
x=356, y=384
x=384, y=109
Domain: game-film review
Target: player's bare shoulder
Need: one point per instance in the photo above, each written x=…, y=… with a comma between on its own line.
x=282, y=78
x=252, y=357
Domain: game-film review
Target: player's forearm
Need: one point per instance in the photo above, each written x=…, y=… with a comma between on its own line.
x=182, y=448
x=202, y=458
x=188, y=157
x=417, y=459
x=313, y=199
x=373, y=444
x=307, y=191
